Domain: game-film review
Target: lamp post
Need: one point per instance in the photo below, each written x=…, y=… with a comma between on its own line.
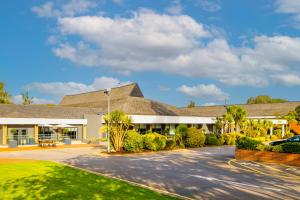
x=107, y=92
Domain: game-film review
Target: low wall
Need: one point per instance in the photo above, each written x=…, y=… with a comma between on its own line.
x=270, y=157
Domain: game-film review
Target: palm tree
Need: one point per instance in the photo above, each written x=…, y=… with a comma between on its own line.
x=26, y=99
x=238, y=115
x=5, y=97
x=119, y=124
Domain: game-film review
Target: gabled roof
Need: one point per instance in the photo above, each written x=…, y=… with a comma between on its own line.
x=98, y=98
x=253, y=110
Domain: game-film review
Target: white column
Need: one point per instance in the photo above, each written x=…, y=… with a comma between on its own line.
x=271, y=130
x=283, y=131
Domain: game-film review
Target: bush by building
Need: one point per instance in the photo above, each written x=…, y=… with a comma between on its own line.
x=195, y=138
x=133, y=141
x=290, y=147
x=170, y=144
x=247, y=143
x=154, y=141
x=211, y=139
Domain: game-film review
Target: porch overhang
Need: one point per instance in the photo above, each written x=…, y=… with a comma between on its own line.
x=158, y=119
x=40, y=121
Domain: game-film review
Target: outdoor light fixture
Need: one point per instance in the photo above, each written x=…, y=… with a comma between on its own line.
x=107, y=92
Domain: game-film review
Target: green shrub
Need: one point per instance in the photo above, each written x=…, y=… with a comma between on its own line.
x=290, y=147
x=277, y=148
x=247, y=143
x=288, y=134
x=154, y=141
x=221, y=139
x=133, y=141
x=170, y=144
x=262, y=147
x=211, y=139
x=182, y=146
x=195, y=138
x=180, y=134
x=230, y=138
x=278, y=133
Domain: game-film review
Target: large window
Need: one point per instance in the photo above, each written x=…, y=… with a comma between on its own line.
x=71, y=133
x=157, y=128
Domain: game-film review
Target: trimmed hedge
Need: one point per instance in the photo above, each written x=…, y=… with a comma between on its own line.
x=252, y=144
x=290, y=147
x=195, y=138
x=247, y=143
x=154, y=141
x=133, y=141
x=211, y=139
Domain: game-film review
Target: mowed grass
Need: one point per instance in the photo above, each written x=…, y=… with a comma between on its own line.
x=48, y=180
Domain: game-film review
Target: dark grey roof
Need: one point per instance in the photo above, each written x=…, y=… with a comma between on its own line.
x=268, y=109
x=44, y=111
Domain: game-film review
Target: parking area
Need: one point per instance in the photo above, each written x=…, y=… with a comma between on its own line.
x=205, y=173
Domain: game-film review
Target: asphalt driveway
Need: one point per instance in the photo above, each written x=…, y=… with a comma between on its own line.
x=206, y=173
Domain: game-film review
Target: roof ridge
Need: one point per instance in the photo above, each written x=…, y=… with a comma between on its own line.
x=241, y=104
x=133, y=83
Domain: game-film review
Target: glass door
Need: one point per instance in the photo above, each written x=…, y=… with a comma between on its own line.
x=21, y=136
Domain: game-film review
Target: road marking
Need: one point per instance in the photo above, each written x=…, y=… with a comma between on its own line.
x=148, y=158
x=250, y=169
x=235, y=183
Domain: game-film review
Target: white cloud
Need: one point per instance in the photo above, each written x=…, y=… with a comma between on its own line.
x=175, y=44
x=176, y=8
x=291, y=7
x=209, y=104
x=118, y=2
x=205, y=92
x=59, y=89
x=287, y=79
x=19, y=100
x=209, y=5
x=71, y=8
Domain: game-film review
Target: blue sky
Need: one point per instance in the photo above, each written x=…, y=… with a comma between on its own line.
x=177, y=50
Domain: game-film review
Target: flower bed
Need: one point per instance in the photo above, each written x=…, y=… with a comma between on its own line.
x=270, y=157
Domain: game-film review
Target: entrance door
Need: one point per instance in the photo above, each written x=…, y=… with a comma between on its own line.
x=21, y=135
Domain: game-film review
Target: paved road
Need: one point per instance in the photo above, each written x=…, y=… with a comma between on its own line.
x=200, y=173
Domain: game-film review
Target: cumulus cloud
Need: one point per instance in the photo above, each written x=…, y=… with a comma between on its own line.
x=59, y=89
x=174, y=44
x=19, y=100
x=287, y=79
x=71, y=8
x=209, y=5
x=209, y=104
x=291, y=7
x=204, y=92
x=176, y=8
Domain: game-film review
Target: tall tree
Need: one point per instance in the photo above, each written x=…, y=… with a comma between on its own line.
x=264, y=99
x=26, y=99
x=119, y=124
x=192, y=104
x=5, y=97
x=238, y=115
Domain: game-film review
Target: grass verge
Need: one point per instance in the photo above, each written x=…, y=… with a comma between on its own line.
x=48, y=180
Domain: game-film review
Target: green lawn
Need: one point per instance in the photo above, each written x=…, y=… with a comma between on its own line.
x=47, y=180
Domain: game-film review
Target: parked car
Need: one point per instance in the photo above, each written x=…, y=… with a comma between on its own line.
x=295, y=138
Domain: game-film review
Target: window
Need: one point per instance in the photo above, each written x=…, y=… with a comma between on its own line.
x=70, y=133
